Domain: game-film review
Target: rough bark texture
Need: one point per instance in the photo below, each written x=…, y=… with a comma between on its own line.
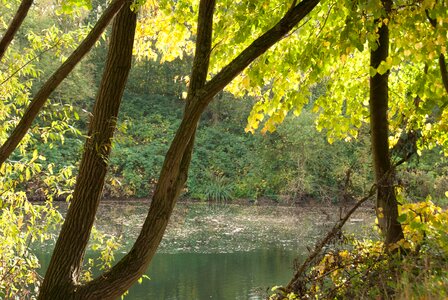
x=386, y=203
x=120, y=277
x=442, y=62
x=443, y=71
x=16, y=22
x=62, y=275
x=172, y=178
x=56, y=78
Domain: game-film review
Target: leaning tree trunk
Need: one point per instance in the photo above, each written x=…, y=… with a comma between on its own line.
x=16, y=22
x=120, y=277
x=63, y=272
x=386, y=203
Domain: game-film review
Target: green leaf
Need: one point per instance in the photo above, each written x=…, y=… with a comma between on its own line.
x=402, y=218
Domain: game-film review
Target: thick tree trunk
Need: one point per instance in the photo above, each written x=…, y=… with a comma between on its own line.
x=65, y=266
x=56, y=78
x=386, y=203
x=16, y=22
x=120, y=277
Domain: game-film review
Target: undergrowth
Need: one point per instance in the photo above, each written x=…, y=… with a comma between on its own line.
x=414, y=268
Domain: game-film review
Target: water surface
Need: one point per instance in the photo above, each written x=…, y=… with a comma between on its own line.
x=231, y=252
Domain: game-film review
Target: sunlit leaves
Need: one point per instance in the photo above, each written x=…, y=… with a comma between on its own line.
x=23, y=223
x=334, y=46
x=72, y=6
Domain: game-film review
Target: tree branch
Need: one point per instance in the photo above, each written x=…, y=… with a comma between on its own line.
x=16, y=22
x=53, y=82
x=443, y=71
x=294, y=284
x=257, y=48
x=132, y=266
x=175, y=168
x=201, y=60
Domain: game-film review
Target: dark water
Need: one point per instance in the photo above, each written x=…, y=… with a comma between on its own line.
x=237, y=253
x=239, y=275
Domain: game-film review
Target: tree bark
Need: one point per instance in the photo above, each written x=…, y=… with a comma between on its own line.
x=443, y=71
x=386, y=203
x=175, y=168
x=442, y=62
x=16, y=22
x=61, y=279
x=56, y=78
x=120, y=277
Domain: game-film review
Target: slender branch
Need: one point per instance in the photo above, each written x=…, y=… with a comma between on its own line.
x=174, y=173
x=30, y=61
x=295, y=281
x=66, y=262
x=53, y=82
x=443, y=71
x=16, y=22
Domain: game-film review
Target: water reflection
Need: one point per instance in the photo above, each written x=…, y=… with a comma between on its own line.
x=239, y=275
x=236, y=252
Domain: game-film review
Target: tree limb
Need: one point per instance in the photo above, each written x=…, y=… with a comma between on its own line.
x=16, y=22
x=175, y=168
x=56, y=78
x=295, y=282
x=443, y=71
x=201, y=60
x=132, y=266
x=257, y=48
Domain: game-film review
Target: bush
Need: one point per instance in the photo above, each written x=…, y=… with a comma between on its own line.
x=413, y=268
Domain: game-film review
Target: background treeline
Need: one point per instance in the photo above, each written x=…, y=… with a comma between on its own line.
x=293, y=164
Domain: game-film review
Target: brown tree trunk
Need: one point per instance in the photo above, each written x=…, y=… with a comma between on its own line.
x=65, y=266
x=386, y=203
x=120, y=277
x=56, y=78
x=16, y=22
x=442, y=62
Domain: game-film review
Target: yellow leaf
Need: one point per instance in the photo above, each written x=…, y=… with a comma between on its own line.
x=246, y=82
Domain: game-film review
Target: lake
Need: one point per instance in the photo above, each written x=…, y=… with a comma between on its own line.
x=220, y=252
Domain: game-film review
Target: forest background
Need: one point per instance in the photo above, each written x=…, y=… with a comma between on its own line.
x=292, y=164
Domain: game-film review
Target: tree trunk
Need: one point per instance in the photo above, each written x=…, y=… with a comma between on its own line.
x=65, y=266
x=120, y=277
x=16, y=22
x=386, y=203
x=56, y=78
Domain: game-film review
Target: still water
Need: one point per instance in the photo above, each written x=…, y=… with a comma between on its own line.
x=239, y=275
x=225, y=253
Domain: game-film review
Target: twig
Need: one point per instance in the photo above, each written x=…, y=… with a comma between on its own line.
x=293, y=284
x=28, y=62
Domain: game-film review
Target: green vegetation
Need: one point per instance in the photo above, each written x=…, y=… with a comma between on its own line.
x=364, y=269
x=371, y=77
